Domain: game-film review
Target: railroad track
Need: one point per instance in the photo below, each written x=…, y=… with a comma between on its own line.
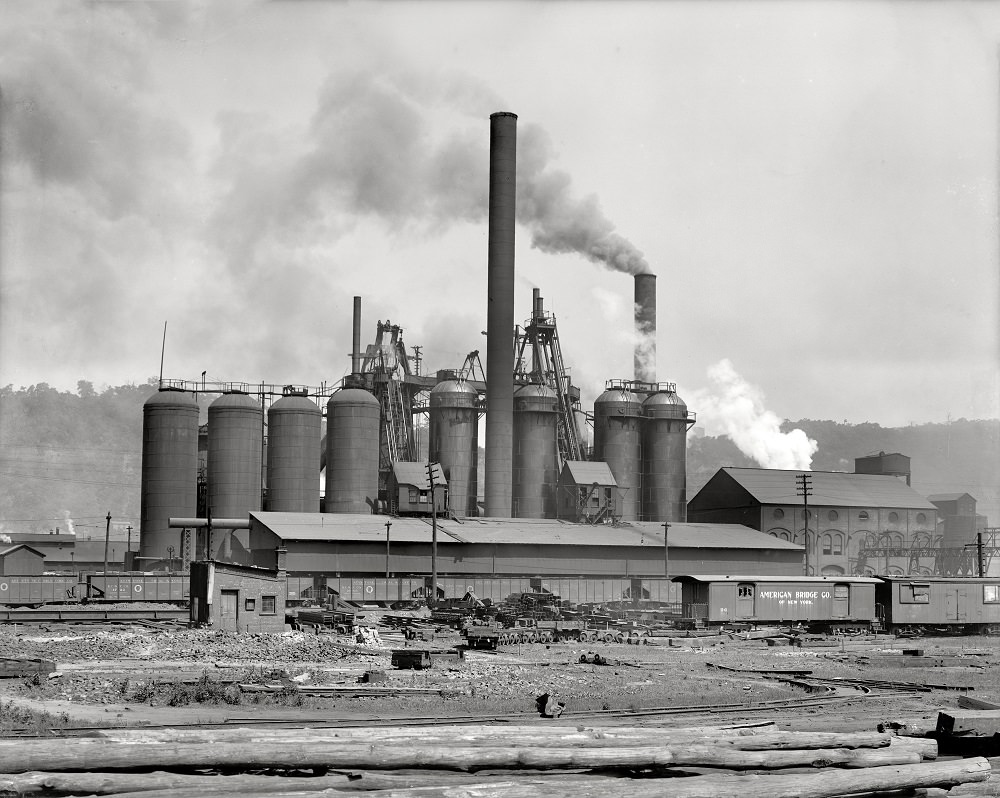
x=78, y=614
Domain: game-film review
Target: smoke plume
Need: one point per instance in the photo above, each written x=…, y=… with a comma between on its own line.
x=559, y=222
x=735, y=408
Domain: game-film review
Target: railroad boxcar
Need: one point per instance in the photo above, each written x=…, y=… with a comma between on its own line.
x=37, y=589
x=164, y=588
x=837, y=604
x=958, y=605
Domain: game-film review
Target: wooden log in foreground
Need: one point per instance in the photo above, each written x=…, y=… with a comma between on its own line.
x=983, y=789
x=178, y=733
x=825, y=784
x=498, y=737
x=18, y=756
x=353, y=781
x=927, y=748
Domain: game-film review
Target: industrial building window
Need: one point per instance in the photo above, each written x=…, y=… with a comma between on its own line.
x=827, y=544
x=921, y=518
x=863, y=515
x=833, y=515
x=914, y=593
x=778, y=513
x=267, y=605
x=991, y=594
x=250, y=604
x=838, y=544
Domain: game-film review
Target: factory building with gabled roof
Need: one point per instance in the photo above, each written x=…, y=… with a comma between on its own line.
x=848, y=514
x=357, y=552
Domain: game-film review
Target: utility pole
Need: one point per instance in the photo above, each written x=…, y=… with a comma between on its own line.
x=107, y=537
x=666, y=557
x=804, y=490
x=434, y=537
x=387, y=525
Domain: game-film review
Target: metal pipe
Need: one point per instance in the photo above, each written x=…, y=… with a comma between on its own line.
x=645, y=328
x=500, y=315
x=356, y=339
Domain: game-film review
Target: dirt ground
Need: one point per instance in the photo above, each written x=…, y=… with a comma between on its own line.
x=131, y=676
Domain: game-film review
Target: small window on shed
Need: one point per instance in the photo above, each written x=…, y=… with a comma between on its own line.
x=914, y=593
x=744, y=591
x=267, y=605
x=991, y=594
x=414, y=493
x=250, y=604
x=778, y=513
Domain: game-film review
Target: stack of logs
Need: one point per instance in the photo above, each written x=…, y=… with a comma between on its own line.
x=506, y=761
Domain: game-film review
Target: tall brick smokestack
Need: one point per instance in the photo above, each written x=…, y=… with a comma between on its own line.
x=645, y=327
x=500, y=316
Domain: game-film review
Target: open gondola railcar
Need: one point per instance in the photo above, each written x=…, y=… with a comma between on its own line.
x=956, y=605
x=841, y=604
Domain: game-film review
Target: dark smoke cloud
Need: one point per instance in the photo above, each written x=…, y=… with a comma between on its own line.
x=373, y=152
x=559, y=222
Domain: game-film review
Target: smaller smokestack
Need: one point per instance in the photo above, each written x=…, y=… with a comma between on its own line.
x=536, y=303
x=645, y=327
x=356, y=342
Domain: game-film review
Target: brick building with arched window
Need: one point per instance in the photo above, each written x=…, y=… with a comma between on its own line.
x=857, y=523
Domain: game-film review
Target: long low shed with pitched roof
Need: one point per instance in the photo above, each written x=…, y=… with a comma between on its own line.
x=359, y=547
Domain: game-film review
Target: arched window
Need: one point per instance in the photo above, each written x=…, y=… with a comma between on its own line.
x=838, y=544
x=897, y=541
x=833, y=515
x=921, y=518
x=893, y=517
x=778, y=513
x=863, y=515
x=827, y=544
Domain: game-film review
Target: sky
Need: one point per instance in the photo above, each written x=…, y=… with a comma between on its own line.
x=814, y=185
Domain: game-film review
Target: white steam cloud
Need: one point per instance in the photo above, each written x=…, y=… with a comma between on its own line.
x=735, y=408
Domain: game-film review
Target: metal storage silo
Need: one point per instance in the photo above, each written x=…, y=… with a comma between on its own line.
x=294, y=425
x=536, y=452
x=352, y=450
x=235, y=449
x=664, y=457
x=454, y=442
x=169, y=469
x=616, y=442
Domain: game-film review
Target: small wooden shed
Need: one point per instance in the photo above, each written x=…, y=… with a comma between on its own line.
x=21, y=559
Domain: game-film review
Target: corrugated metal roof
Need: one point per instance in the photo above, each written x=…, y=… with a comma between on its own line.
x=829, y=488
x=416, y=474
x=24, y=546
x=584, y=472
x=513, y=531
x=759, y=578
